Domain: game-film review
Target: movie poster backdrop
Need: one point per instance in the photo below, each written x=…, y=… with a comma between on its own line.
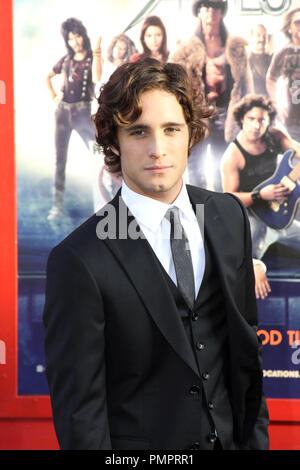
x=61, y=177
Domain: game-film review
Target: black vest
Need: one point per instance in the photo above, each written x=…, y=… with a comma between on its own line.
x=206, y=328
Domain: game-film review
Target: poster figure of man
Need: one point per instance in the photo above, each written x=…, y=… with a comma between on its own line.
x=285, y=65
x=259, y=58
x=151, y=333
x=251, y=159
x=73, y=109
x=218, y=62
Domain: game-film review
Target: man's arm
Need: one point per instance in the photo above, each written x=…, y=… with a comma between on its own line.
x=271, y=85
x=75, y=353
x=230, y=170
x=274, y=72
x=259, y=437
x=97, y=61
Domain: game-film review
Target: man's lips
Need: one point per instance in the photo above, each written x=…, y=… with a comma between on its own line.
x=158, y=168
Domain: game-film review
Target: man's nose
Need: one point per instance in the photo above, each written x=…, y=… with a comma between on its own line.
x=156, y=146
x=256, y=124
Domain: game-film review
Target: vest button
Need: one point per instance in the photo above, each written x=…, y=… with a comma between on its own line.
x=210, y=405
x=199, y=345
x=205, y=375
x=195, y=390
x=195, y=316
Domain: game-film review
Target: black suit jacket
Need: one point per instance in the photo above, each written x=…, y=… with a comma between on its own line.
x=118, y=361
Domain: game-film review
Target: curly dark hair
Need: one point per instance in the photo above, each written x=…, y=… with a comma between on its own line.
x=120, y=105
x=73, y=25
x=253, y=101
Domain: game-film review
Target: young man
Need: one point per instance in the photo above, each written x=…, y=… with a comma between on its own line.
x=285, y=65
x=251, y=159
x=150, y=336
x=73, y=111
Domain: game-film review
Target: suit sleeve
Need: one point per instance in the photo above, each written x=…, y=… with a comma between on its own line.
x=75, y=353
x=259, y=437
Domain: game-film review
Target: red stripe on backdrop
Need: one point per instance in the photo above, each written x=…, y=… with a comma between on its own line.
x=8, y=232
x=15, y=431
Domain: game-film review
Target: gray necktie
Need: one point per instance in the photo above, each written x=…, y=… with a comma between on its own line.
x=181, y=257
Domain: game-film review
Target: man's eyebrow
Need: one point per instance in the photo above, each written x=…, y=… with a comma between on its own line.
x=134, y=127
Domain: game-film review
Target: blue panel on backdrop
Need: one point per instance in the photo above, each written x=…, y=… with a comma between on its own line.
x=31, y=361
x=36, y=237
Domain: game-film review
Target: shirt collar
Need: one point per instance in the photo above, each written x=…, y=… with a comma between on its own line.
x=151, y=212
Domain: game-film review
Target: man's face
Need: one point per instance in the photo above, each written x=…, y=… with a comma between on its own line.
x=255, y=123
x=210, y=16
x=154, y=149
x=259, y=39
x=295, y=28
x=75, y=41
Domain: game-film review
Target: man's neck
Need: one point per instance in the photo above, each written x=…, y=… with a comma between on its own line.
x=165, y=197
x=211, y=32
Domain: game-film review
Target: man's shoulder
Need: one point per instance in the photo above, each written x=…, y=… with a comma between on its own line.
x=80, y=238
x=84, y=240
x=279, y=58
x=201, y=195
x=224, y=207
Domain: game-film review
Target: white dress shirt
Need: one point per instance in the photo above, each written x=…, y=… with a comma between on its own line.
x=150, y=215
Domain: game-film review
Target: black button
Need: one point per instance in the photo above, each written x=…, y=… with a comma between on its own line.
x=195, y=446
x=205, y=375
x=195, y=316
x=210, y=405
x=195, y=390
x=199, y=345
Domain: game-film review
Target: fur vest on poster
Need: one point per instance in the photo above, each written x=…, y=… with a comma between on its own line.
x=192, y=56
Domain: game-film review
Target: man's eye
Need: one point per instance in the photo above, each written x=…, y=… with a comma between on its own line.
x=172, y=130
x=138, y=132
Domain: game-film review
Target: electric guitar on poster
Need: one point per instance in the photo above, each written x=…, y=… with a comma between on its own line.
x=276, y=214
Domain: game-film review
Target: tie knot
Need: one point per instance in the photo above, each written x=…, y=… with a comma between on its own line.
x=172, y=215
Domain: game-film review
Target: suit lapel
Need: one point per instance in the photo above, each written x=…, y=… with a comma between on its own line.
x=137, y=259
